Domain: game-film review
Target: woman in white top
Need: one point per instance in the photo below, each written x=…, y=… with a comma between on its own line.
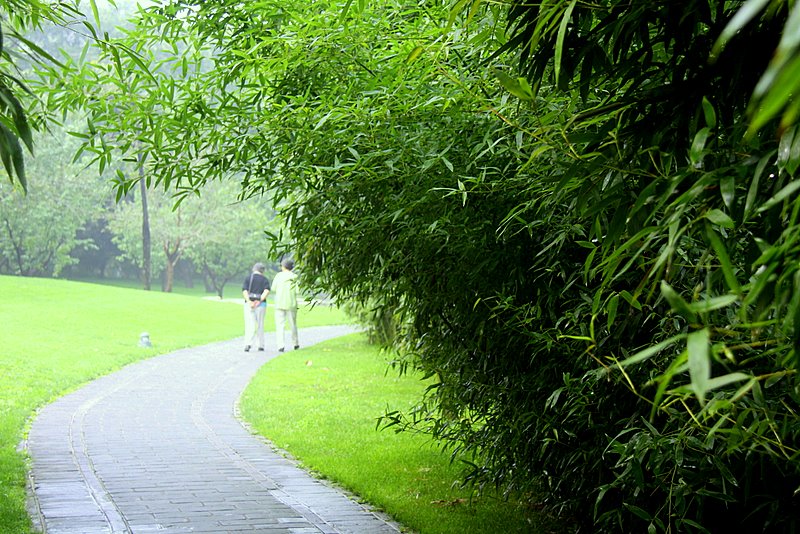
x=284, y=294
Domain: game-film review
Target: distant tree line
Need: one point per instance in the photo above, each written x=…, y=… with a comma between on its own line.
x=68, y=225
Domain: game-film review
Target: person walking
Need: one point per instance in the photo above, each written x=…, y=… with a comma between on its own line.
x=284, y=289
x=255, y=289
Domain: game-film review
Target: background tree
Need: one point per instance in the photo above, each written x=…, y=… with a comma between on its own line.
x=222, y=237
x=172, y=231
x=233, y=237
x=147, y=261
x=40, y=231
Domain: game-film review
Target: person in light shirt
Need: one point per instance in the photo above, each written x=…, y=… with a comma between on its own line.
x=284, y=293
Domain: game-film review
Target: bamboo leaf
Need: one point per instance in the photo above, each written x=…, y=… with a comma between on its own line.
x=323, y=120
x=651, y=351
x=678, y=365
x=724, y=260
x=611, y=310
x=139, y=62
x=699, y=362
x=785, y=147
x=95, y=12
x=780, y=196
x=724, y=380
x=761, y=281
x=742, y=391
x=676, y=302
x=454, y=12
x=720, y=218
x=752, y=193
x=345, y=12
x=630, y=299
x=414, y=55
x=793, y=159
x=776, y=89
x=790, y=38
x=447, y=164
x=709, y=113
x=746, y=13
x=727, y=188
x=562, y=31
x=513, y=85
x=39, y=51
x=476, y=4
x=714, y=303
x=19, y=118
x=697, y=151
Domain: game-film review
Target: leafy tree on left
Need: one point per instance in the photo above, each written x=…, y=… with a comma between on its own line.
x=17, y=17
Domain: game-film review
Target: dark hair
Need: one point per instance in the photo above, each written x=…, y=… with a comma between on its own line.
x=259, y=267
x=289, y=264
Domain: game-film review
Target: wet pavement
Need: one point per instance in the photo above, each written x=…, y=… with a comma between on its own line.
x=157, y=448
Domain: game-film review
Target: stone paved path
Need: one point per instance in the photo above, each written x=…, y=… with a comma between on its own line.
x=157, y=448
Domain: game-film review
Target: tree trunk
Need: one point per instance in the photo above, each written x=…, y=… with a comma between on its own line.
x=213, y=280
x=17, y=249
x=173, y=255
x=146, y=261
x=169, y=277
x=209, y=286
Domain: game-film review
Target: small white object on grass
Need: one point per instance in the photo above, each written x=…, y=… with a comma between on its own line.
x=144, y=340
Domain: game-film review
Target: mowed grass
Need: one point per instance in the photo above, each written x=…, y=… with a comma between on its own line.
x=56, y=335
x=321, y=404
x=231, y=290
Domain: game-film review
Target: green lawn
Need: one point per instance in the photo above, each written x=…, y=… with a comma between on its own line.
x=56, y=335
x=321, y=405
x=231, y=290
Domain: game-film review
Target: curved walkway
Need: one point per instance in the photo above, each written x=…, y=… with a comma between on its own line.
x=157, y=447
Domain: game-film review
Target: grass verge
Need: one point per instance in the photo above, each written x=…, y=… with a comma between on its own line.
x=57, y=335
x=321, y=404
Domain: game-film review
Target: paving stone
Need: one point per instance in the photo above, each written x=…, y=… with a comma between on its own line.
x=157, y=448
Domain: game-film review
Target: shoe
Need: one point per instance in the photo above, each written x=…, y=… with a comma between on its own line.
x=296, y=347
x=261, y=349
x=247, y=348
x=280, y=350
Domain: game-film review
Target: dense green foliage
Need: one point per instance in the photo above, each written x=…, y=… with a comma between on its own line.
x=675, y=232
x=595, y=261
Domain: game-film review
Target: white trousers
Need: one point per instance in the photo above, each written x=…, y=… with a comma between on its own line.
x=254, y=325
x=281, y=317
